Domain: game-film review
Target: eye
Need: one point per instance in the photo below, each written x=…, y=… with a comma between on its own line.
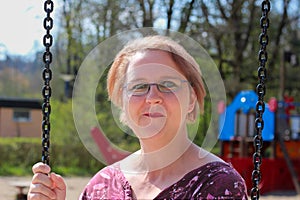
x=169, y=85
x=139, y=87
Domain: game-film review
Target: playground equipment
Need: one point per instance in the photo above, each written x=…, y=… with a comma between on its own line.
x=281, y=135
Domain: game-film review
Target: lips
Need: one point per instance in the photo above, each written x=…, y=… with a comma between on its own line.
x=154, y=115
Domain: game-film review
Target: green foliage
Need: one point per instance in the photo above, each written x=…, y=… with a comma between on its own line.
x=74, y=160
x=8, y=170
x=63, y=130
x=17, y=155
x=19, y=151
x=118, y=134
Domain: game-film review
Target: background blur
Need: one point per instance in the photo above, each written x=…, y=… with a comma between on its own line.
x=227, y=29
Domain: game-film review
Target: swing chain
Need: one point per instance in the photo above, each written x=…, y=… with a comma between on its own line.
x=260, y=105
x=47, y=76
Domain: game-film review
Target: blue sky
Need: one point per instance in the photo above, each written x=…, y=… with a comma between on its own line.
x=21, y=25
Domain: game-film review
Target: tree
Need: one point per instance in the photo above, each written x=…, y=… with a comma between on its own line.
x=13, y=83
x=228, y=29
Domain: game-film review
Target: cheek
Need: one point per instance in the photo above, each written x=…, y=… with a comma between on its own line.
x=179, y=103
x=131, y=106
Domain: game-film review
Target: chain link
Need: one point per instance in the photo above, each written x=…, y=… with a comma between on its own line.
x=260, y=105
x=47, y=76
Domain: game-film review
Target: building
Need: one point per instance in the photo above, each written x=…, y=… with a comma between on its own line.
x=20, y=117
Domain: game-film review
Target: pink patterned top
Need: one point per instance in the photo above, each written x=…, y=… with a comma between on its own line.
x=215, y=180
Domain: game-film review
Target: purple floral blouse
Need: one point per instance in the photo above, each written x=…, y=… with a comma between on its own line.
x=215, y=180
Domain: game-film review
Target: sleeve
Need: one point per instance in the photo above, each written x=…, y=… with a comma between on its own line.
x=224, y=183
x=104, y=185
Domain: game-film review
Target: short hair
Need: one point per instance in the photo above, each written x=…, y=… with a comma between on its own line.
x=186, y=63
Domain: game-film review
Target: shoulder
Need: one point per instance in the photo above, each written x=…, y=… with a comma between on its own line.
x=213, y=180
x=106, y=174
x=220, y=179
x=107, y=183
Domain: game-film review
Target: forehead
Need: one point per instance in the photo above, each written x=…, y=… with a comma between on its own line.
x=152, y=64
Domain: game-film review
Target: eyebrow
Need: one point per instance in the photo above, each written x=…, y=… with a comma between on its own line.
x=162, y=78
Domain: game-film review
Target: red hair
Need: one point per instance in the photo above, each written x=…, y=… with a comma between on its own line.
x=186, y=63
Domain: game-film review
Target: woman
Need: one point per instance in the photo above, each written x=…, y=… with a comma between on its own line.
x=159, y=89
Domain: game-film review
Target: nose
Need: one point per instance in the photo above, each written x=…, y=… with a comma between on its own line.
x=154, y=95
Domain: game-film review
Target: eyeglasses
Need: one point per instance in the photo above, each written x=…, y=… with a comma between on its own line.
x=140, y=88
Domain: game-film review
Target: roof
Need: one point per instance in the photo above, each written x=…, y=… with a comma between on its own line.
x=20, y=103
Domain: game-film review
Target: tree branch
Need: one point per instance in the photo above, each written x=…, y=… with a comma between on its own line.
x=185, y=16
x=170, y=13
x=282, y=24
x=221, y=8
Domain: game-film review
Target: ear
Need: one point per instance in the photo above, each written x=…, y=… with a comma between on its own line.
x=193, y=100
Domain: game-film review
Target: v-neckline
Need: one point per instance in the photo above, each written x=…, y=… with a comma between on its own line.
x=128, y=186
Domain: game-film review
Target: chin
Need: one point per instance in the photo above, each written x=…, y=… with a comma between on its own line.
x=148, y=132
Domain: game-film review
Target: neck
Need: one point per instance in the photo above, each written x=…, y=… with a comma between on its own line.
x=155, y=154
x=165, y=141
x=161, y=170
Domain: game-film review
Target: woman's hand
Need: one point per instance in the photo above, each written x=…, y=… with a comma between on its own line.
x=46, y=185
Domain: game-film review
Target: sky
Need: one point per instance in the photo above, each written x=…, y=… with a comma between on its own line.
x=21, y=26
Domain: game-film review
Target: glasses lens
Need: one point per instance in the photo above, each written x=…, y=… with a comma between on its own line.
x=137, y=88
x=171, y=85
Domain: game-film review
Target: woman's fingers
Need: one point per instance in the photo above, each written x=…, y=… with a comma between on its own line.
x=43, y=179
x=35, y=196
x=41, y=186
x=40, y=191
x=41, y=168
x=46, y=185
x=58, y=181
x=59, y=186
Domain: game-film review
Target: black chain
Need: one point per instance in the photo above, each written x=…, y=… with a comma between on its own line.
x=47, y=76
x=260, y=105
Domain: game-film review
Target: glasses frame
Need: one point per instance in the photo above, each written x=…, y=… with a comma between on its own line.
x=158, y=86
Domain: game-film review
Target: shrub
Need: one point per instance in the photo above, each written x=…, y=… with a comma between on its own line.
x=17, y=155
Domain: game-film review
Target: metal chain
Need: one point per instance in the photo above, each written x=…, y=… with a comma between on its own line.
x=260, y=105
x=47, y=76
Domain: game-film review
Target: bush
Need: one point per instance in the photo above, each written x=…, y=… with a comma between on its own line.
x=17, y=155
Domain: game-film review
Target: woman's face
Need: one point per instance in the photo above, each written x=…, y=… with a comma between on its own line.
x=157, y=97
